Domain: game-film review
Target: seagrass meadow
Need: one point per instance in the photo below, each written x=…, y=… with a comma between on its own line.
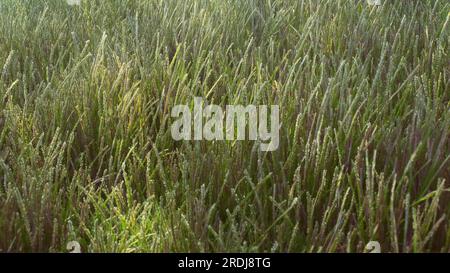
x=86, y=152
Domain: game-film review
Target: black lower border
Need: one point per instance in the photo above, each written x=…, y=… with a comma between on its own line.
x=229, y=262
